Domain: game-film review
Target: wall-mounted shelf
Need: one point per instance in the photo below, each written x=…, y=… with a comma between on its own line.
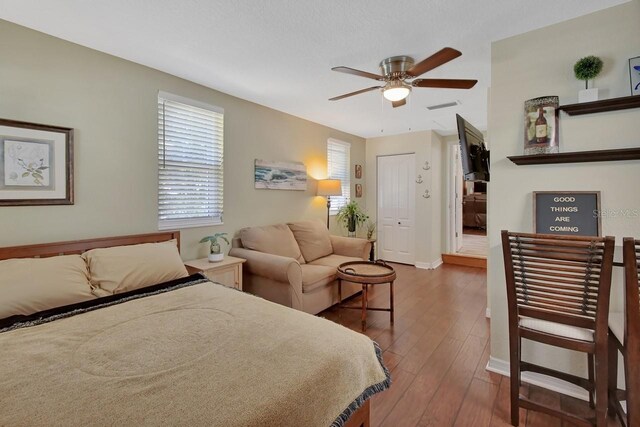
x=612, y=104
x=578, y=157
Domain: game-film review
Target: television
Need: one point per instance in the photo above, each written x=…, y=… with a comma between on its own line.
x=474, y=154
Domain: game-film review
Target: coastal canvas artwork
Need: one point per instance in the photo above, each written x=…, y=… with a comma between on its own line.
x=280, y=175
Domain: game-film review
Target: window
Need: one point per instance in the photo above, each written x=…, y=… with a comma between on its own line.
x=339, y=167
x=190, y=146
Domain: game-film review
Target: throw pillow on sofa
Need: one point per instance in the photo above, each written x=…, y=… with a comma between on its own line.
x=313, y=239
x=272, y=239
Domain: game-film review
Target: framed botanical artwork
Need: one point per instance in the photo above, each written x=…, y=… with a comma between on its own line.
x=358, y=171
x=634, y=75
x=358, y=190
x=36, y=164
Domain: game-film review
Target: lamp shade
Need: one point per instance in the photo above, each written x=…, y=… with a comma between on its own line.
x=396, y=91
x=329, y=187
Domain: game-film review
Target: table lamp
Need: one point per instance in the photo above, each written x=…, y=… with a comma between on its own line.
x=328, y=188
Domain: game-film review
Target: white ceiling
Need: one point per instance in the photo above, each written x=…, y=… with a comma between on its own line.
x=279, y=53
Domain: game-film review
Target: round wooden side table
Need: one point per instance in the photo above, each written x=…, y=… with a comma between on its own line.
x=367, y=273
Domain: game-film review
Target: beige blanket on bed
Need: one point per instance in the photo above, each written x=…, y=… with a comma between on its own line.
x=200, y=355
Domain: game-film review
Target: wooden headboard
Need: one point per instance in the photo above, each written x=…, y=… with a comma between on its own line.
x=79, y=246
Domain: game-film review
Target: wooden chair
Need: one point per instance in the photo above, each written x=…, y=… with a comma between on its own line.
x=558, y=294
x=624, y=336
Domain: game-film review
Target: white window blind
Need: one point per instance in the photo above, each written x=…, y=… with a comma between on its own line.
x=339, y=167
x=190, y=158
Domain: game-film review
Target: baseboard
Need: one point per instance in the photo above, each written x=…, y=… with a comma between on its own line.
x=501, y=367
x=429, y=265
x=487, y=313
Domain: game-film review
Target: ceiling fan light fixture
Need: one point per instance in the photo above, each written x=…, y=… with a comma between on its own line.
x=396, y=90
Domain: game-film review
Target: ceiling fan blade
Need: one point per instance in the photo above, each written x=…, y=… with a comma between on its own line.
x=445, y=83
x=400, y=103
x=355, y=72
x=437, y=59
x=358, y=92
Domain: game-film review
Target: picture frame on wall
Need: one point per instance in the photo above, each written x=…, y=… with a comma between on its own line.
x=278, y=175
x=36, y=164
x=358, y=172
x=574, y=213
x=634, y=75
x=358, y=190
x=541, y=134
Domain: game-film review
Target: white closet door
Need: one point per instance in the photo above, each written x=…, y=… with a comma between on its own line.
x=396, y=208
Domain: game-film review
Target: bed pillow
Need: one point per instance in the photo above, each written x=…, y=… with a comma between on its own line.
x=313, y=239
x=125, y=268
x=31, y=285
x=272, y=239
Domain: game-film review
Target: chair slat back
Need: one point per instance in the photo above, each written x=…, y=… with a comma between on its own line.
x=631, y=253
x=563, y=279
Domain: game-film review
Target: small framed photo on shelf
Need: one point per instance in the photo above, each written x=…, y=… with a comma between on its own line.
x=634, y=75
x=36, y=164
x=574, y=213
x=541, y=125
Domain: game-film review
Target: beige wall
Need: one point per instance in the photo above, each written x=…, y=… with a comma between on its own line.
x=541, y=63
x=111, y=104
x=427, y=146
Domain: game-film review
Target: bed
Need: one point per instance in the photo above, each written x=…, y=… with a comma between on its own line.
x=183, y=352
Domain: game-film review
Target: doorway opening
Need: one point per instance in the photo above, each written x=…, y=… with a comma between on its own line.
x=467, y=234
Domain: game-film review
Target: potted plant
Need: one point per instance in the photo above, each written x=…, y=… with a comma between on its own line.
x=371, y=228
x=351, y=216
x=587, y=69
x=215, y=254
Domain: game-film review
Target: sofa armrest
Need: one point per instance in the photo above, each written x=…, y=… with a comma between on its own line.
x=275, y=267
x=351, y=246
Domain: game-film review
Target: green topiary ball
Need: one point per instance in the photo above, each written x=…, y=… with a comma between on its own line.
x=588, y=67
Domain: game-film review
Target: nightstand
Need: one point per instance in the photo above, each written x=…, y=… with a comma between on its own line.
x=227, y=272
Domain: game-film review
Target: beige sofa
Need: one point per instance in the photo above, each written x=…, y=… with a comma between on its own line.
x=295, y=264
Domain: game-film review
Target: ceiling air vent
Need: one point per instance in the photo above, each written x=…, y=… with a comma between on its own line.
x=445, y=105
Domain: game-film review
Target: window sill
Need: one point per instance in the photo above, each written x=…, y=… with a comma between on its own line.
x=186, y=223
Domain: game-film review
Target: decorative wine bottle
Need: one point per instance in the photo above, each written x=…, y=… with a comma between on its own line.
x=541, y=127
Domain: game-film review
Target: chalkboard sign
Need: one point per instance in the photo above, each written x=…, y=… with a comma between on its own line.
x=574, y=213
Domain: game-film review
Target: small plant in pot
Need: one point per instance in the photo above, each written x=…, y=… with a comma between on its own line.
x=351, y=216
x=215, y=254
x=371, y=229
x=587, y=69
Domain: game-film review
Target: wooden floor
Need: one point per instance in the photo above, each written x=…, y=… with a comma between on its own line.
x=437, y=351
x=474, y=244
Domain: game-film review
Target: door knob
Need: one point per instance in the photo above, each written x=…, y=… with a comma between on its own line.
x=399, y=223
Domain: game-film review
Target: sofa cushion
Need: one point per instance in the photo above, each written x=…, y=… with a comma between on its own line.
x=313, y=239
x=316, y=276
x=334, y=260
x=272, y=239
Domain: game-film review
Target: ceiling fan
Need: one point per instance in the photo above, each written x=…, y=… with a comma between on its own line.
x=396, y=70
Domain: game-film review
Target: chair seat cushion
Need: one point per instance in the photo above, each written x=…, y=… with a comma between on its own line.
x=316, y=276
x=334, y=260
x=616, y=324
x=559, y=329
